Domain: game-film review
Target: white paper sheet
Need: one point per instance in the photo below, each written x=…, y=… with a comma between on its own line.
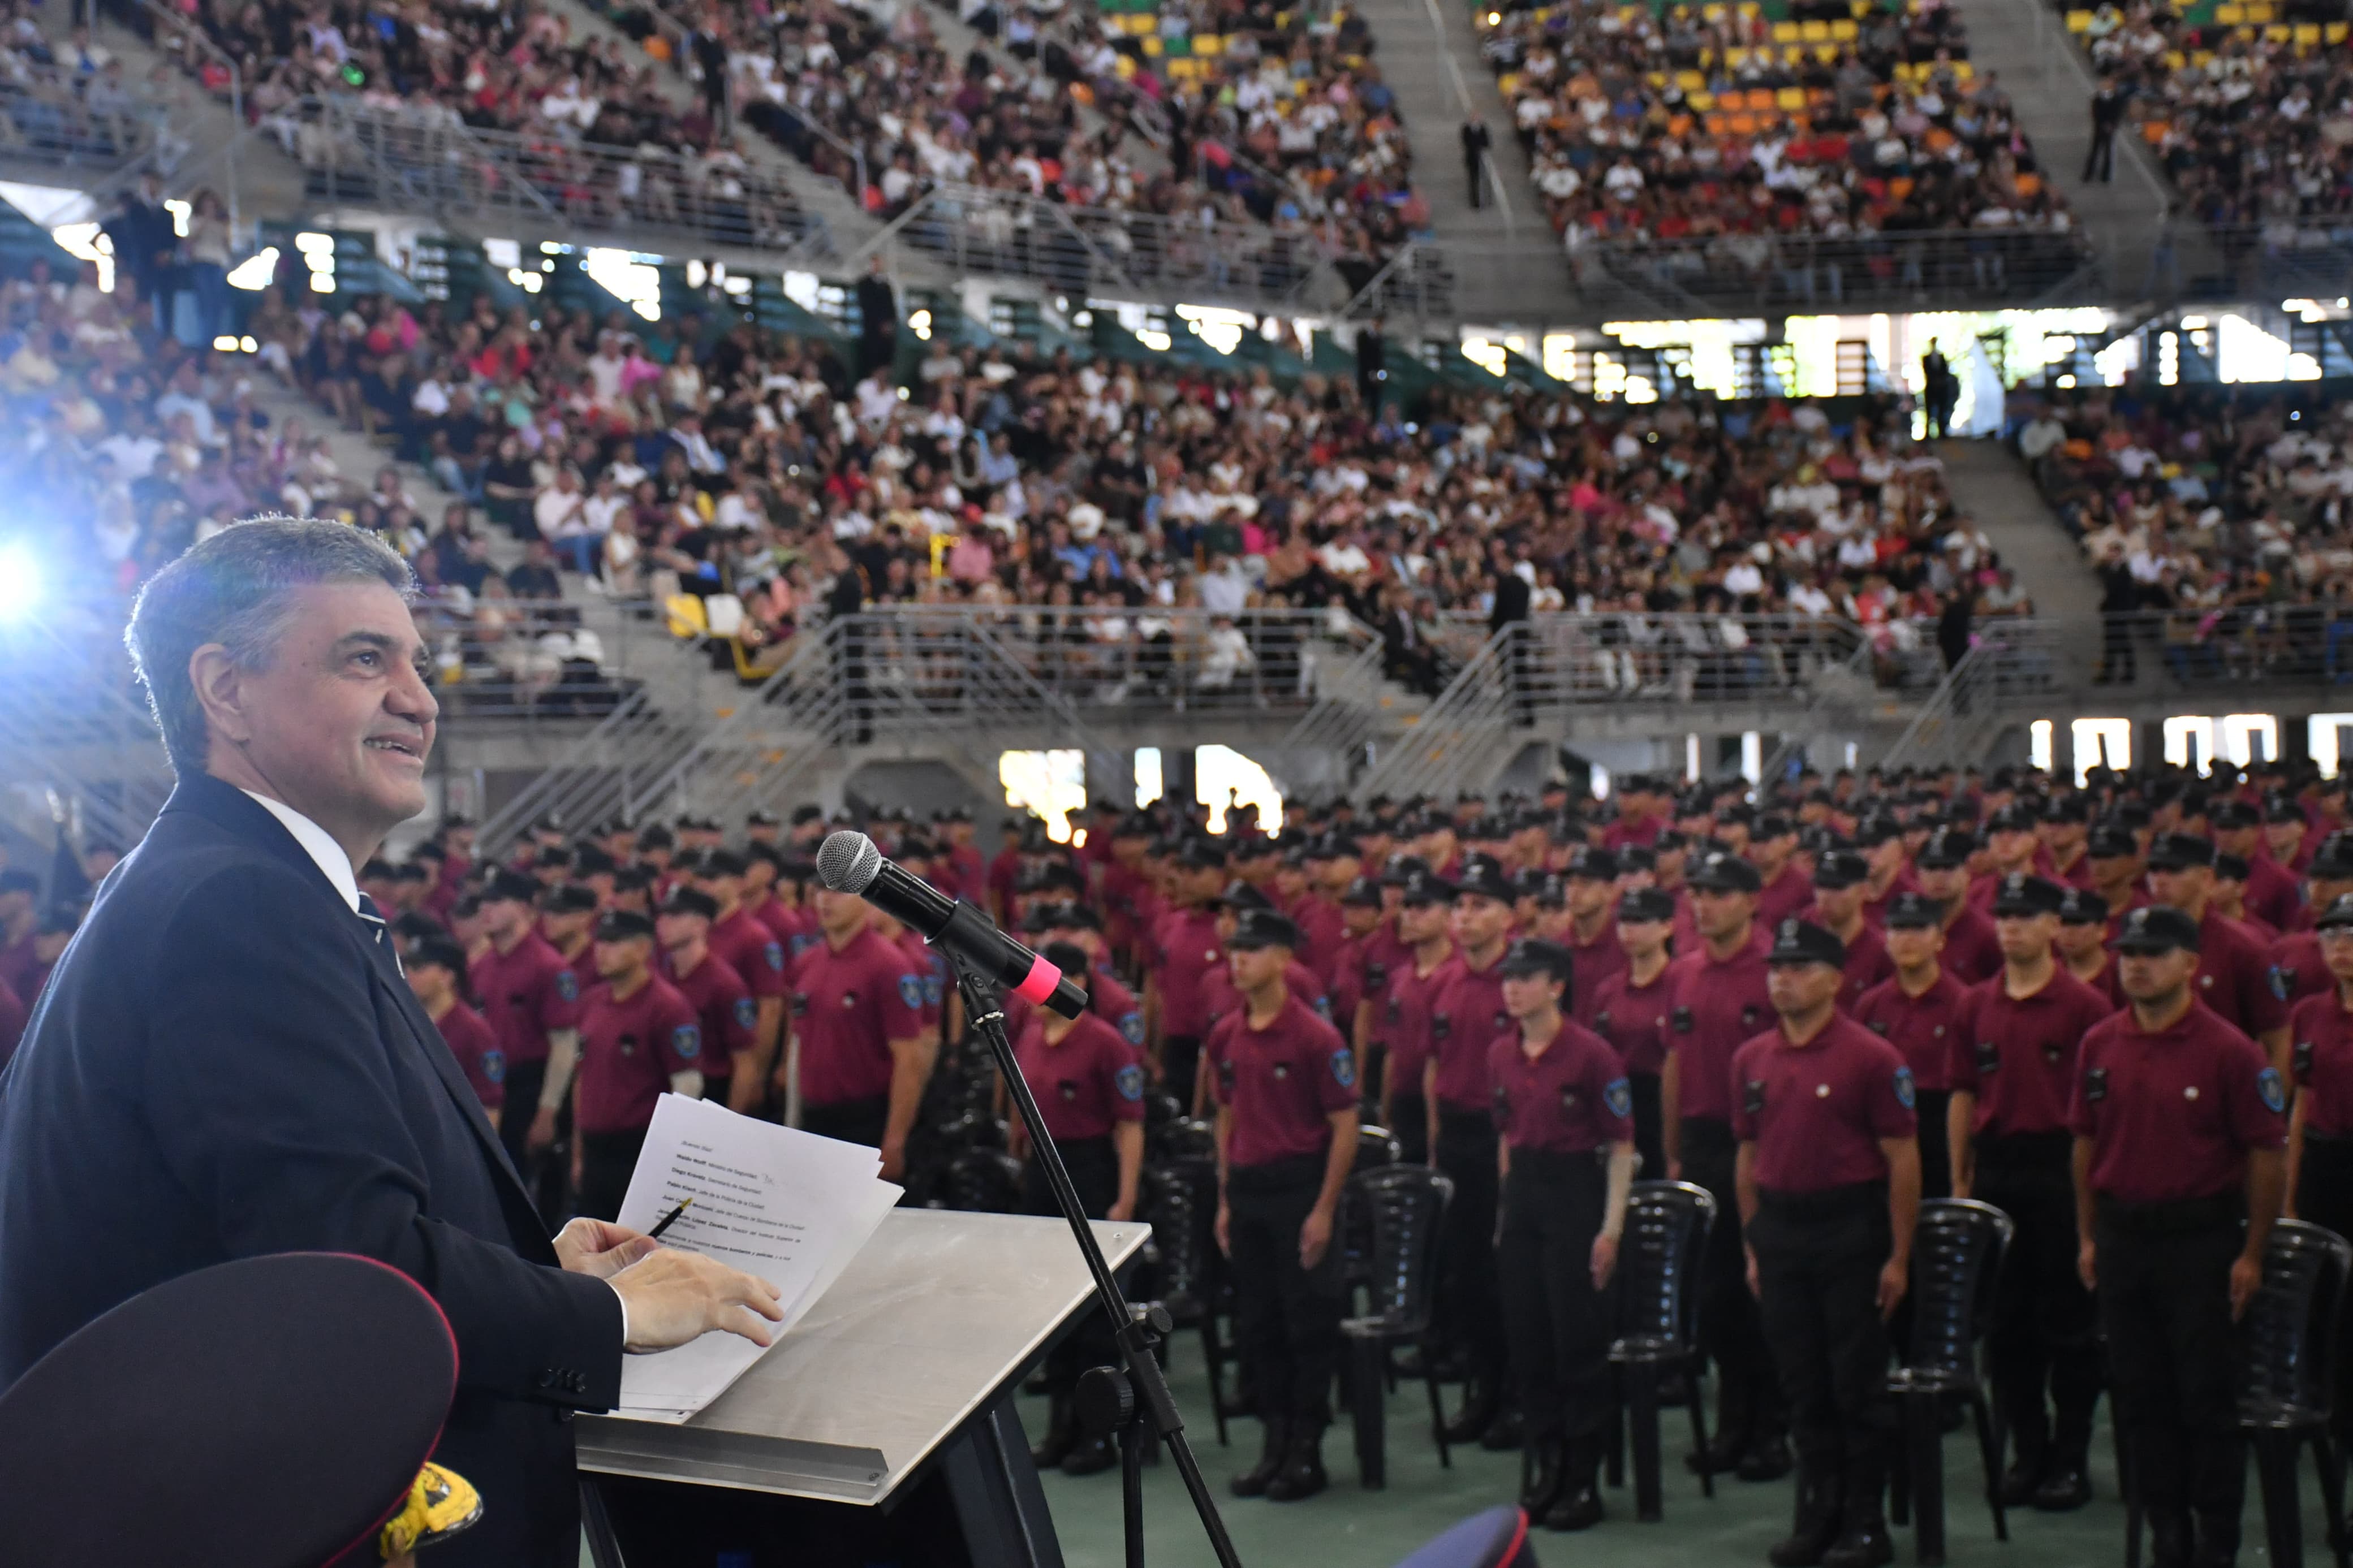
x=788, y=1206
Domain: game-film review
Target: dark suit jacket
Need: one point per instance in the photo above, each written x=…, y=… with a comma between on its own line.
x=1512, y=600
x=220, y=1067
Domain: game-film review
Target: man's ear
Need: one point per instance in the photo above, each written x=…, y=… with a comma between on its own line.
x=219, y=686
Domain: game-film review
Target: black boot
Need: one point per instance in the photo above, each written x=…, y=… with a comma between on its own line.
x=1540, y=1477
x=1767, y=1458
x=1579, y=1506
x=1062, y=1431
x=1253, y=1482
x=1091, y=1457
x=1863, y=1541
x=1301, y=1475
x=1481, y=1400
x=1816, y=1523
x=1505, y=1433
x=2066, y=1484
x=1736, y=1420
x=2217, y=1540
x=2168, y=1538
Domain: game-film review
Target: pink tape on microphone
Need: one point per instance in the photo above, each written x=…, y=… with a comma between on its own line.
x=1042, y=979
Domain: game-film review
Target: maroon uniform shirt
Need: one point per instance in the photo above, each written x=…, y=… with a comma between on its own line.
x=2296, y=971
x=2274, y=895
x=1922, y=1028
x=1003, y=875
x=1186, y=952
x=1086, y=1081
x=1223, y=1000
x=1875, y=910
x=1568, y=1099
x=1867, y=964
x=1323, y=933
x=746, y=944
x=525, y=993
x=1816, y=1111
x=1634, y=1018
x=2104, y=983
x=1281, y=1083
x=2323, y=1056
x=1126, y=903
x=476, y=1050
x=17, y=965
x=628, y=1049
x=1107, y=999
x=2018, y=1055
x=2171, y=1115
x=1401, y=1023
x=1972, y=952
x=848, y=1007
x=726, y=1012
x=1595, y=962
x=1719, y=1006
x=931, y=969
x=2235, y=976
x=13, y=1016
x=1789, y=893
x=1466, y=1013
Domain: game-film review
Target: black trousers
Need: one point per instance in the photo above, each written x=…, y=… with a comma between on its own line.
x=1935, y=1142
x=1409, y=1124
x=850, y=1121
x=607, y=1161
x=1728, y=1327
x=1819, y=1257
x=1180, y=1061
x=2324, y=1194
x=2100, y=161
x=2042, y=1336
x=547, y=1175
x=1469, y=1317
x=1555, y=1324
x=1093, y=1164
x=2165, y=1301
x=1649, y=1138
x=1286, y=1317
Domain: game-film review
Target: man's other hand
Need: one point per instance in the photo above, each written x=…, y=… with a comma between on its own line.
x=673, y=1297
x=600, y=1247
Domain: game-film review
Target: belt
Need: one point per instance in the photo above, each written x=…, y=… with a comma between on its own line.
x=2179, y=1216
x=2337, y=1143
x=2056, y=1147
x=1707, y=1134
x=1276, y=1175
x=1854, y=1197
x=1556, y=1164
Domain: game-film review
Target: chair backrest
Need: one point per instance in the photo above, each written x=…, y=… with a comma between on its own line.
x=1659, y=1254
x=1181, y=1203
x=1375, y=1147
x=1957, y=1251
x=1375, y=1150
x=983, y=1181
x=2291, y=1325
x=1400, y=1206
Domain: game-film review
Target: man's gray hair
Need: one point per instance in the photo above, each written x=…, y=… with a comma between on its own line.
x=237, y=589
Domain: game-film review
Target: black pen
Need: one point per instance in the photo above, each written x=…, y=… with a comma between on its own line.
x=669, y=1220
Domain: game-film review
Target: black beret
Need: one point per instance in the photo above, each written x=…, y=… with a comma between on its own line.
x=1947, y=849
x=2235, y=814
x=570, y=898
x=690, y=902
x=1427, y=887
x=1591, y=864
x=1363, y=892
x=1201, y=854
x=1803, y=942
x=2111, y=842
x=1241, y=897
x=2334, y=858
x=2230, y=867
x=2082, y=906
x=720, y=863
x=1840, y=868
x=1484, y=878
x=620, y=925
x=762, y=819
x=2155, y=928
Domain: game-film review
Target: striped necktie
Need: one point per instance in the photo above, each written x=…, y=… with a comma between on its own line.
x=373, y=916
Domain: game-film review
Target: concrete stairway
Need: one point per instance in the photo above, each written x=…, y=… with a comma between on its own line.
x=1991, y=483
x=267, y=180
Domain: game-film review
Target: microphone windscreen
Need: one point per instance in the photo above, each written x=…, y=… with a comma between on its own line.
x=848, y=861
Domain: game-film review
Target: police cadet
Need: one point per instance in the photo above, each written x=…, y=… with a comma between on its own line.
x=747, y=946
x=1630, y=1012
x=1183, y=949
x=1590, y=883
x=2012, y=1066
x=1087, y=1079
x=2180, y=1126
x=1721, y=1001
x=1828, y=1187
x=1466, y=1014
x=567, y=919
x=638, y=1038
x=2235, y=972
x=859, y=1048
x=724, y=1006
x=435, y=967
x=2320, y=1132
x=1942, y=867
x=1286, y=1085
x=531, y=999
x=1565, y=1114
x=1919, y=1012
x=1839, y=876
x=2082, y=944
x=1425, y=924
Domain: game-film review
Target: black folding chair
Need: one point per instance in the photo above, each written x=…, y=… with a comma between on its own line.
x=2287, y=1387
x=1957, y=1244
x=1399, y=1208
x=1659, y=1268
x=1183, y=1211
x=983, y=1181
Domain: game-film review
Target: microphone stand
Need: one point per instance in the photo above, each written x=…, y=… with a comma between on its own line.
x=1139, y=1404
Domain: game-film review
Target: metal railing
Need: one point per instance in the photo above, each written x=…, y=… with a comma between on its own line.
x=73, y=727
x=539, y=660
x=47, y=114
x=1354, y=715
x=422, y=158
x=1755, y=273
x=1459, y=736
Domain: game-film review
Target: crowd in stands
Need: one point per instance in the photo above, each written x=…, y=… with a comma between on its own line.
x=2223, y=516
x=64, y=94
x=1720, y=131
x=2249, y=110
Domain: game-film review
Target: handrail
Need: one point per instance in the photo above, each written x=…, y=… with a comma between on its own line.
x=1455, y=719
x=192, y=35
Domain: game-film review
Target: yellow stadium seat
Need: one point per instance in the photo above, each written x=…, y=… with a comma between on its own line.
x=1814, y=32
x=1846, y=31
x=1792, y=99
x=1690, y=81
x=1208, y=44
x=1785, y=32
x=2336, y=32
x=1701, y=101
x=1827, y=53
x=2307, y=34
x=1964, y=71
x=686, y=617
x=2079, y=21
x=2277, y=33
x=2264, y=11
x=1152, y=44
x=2230, y=15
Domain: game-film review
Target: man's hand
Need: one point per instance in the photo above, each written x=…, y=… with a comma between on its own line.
x=1604, y=1260
x=1894, y=1279
x=1314, y=1237
x=600, y=1247
x=2086, y=1264
x=673, y=1297
x=543, y=1130
x=2246, y=1278
x=1674, y=1170
x=894, y=1158
x=1753, y=1289
x=1224, y=1228
x=1121, y=1209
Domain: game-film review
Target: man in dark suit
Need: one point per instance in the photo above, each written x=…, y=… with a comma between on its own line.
x=228, y=1061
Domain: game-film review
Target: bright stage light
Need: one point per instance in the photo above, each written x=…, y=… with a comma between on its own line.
x=20, y=583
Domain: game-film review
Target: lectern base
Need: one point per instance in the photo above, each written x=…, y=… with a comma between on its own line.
x=978, y=1506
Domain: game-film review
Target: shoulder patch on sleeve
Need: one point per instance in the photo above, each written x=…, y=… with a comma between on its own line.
x=2269, y=1084
x=910, y=990
x=1343, y=1067
x=494, y=1065
x=2283, y=980
x=1131, y=1027
x=1905, y=1094
x=567, y=985
x=1618, y=1096
x=747, y=1011
x=686, y=1040
x=773, y=953
x=1129, y=1082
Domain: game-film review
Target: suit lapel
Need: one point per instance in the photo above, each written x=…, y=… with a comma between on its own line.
x=411, y=1012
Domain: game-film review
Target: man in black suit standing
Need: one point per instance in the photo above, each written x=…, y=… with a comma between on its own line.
x=228, y=1061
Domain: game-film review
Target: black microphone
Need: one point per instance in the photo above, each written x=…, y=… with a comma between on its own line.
x=847, y=862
